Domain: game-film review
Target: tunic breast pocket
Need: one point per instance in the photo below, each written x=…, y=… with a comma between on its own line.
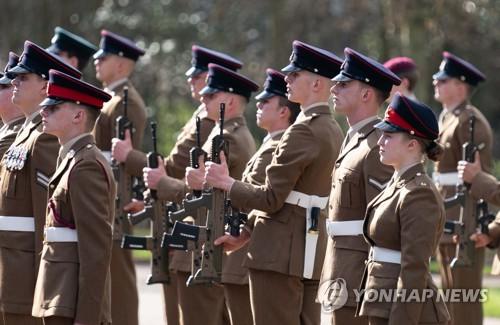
x=347, y=188
x=14, y=184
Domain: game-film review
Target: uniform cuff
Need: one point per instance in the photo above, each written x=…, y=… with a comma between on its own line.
x=483, y=185
x=134, y=163
x=171, y=189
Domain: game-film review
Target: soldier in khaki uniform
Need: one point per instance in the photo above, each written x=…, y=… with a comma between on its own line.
x=175, y=166
x=26, y=168
x=358, y=176
x=114, y=63
x=275, y=113
x=10, y=114
x=73, y=284
x=233, y=89
x=404, y=223
x=453, y=85
x=487, y=187
x=73, y=49
x=285, y=251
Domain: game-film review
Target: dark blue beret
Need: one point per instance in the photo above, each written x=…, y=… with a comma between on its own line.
x=313, y=59
x=365, y=69
x=201, y=57
x=112, y=43
x=454, y=67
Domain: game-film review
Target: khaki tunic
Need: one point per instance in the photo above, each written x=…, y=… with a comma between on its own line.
x=454, y=132
x=123, y=281
x=408, y=216
x=24, y=194
x=74, y=277
x=358, y=177
x=487, y=187
x=255, y=173
x=303, y=161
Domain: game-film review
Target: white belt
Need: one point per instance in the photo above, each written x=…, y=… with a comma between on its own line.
x=12, y=223
x=446, y=178
x=344, y=228
x=60, y=234
x=107, y=155
x=380, y=254
x=308, y=202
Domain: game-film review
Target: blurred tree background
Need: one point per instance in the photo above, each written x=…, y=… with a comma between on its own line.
x=260, y=33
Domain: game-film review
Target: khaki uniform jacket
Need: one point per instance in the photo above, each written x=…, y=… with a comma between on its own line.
x=303, y=161
x=24, y=194
x=408, y=216
x=241, y=148
x=105, y=126
x=454, y=132
x=178, y=159
x=255, y=173
x=487, y=187
x=74, y=277
x=8, y=135
x=358, y=177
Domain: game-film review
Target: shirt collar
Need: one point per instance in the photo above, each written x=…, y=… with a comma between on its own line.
x=358, y=126
x=271, y=135
x=115, y=84
x=63, y=151
x=398, y=174
x=31, y=118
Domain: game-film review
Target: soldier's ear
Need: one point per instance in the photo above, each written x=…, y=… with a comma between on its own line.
x=43, y=89
x=79, y=116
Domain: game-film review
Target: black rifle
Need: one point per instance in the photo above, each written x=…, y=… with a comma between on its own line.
x=207, y=262
x=157, y=211
x=234, y=219
x=196, y=152
x=472, y=213
x=124, y=180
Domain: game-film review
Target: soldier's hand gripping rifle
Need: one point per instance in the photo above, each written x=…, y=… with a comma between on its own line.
x=156, y=210
x=124, y=180
x=195, y=236
x=469, y=210
x=191, y=207
x=194, y=206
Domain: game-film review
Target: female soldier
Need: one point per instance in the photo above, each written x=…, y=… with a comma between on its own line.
x=404, y=222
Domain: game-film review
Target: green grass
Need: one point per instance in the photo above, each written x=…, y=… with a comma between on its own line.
x=490, y=307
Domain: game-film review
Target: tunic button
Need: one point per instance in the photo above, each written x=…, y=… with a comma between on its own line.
x=337, y=165
x=52, y=186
